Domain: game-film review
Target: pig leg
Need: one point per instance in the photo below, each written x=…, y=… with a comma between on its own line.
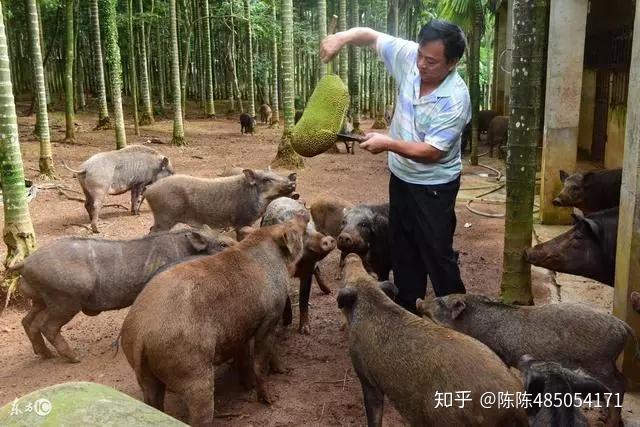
x=197, y=392
x=373, y=402
x=263, y=347
x=343, y=255
x=321, y=283
x=136, y=199
x=57, y=316
x=287, y=315
x=153, y=389
x=93, y=204
x=303, y=301
x=243, y=362
x=31, y=323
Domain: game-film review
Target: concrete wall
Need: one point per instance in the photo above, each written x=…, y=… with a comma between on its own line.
x=587, y=110
x=616, y=125
x=565, y=61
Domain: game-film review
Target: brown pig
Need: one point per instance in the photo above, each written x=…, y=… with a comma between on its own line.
x=411, y=360
x=328, y=213
x=316, y=247
x=235, y=201
x=204, y=312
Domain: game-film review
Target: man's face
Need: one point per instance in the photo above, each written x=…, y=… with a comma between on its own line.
x=432, y=63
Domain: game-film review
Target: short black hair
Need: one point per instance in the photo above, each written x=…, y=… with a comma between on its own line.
x=450, y=34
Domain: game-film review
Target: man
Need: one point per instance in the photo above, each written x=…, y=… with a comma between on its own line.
x=432, y=109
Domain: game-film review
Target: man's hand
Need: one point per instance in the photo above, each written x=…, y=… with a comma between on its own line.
x=376, y=143
x=330, y=46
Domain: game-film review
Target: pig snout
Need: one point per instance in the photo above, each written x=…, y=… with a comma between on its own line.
x=556, y=202
x=328, y=244
x=345, y=241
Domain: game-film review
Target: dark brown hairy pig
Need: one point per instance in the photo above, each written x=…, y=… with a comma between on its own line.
x=409, y=359
x=204, y=312
x=574, y=335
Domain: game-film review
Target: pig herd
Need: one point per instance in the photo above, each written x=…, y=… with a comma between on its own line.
x=199, y=298
x=588, y=249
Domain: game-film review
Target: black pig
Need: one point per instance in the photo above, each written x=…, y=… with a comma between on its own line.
x=590, y=191
x=588, y=249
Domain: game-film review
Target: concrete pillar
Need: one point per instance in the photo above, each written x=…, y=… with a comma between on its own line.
x=628, y=253
x=507, y=55
x=565, y=57
x=499, y=90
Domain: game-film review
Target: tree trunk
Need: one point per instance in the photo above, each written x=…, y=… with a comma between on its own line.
x=18, y=231
x=529, y=36
x=42, y=116
x=186, y=54
x=381, y=78
x=474, y=76
x=393, y=18
x=178, y=128
x=42, y=47
x=322, y=32
x=161, y=66
x=275, y=118
x=114, y=65
x=286, y=157
x=342, y=26
x=354, y=71
x=104, y=122
x=133, y=75
x=232, y=54
x=147, y=108
x=70, y=136
x=210, y=109
x=82, y=101
x=252, y=103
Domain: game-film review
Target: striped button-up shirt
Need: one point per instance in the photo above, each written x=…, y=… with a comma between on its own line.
x=436, y=119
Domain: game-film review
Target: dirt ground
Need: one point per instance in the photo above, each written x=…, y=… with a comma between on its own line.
x=320, y=387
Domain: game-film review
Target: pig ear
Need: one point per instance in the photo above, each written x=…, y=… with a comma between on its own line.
x=563, y=176
x=592, y=225
x=389, y=289
x=457, y=309
x=197, y=240
x=347, y=297
x=250, y=176
x=576, y=217
x=244, y=232
x=420, y=306
x=582, y=384
x=286, y=240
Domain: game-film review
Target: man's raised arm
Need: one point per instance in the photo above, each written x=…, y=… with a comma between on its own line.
x=358, y=36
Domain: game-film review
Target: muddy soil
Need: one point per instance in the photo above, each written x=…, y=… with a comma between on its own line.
x=320, y=387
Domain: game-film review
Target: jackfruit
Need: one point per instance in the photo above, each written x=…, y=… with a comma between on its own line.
x=322, y=119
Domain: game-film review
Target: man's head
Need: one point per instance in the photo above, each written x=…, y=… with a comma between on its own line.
x=442, y=44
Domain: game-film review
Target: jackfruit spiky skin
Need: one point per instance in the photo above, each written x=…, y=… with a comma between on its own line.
x=322, y=119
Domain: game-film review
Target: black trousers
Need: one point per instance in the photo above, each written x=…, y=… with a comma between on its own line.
x=422, y=220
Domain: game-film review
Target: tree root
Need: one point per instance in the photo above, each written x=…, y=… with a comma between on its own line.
x=379, y=124
x=104, y=124
x=286, y=157
x=146, y=119
x=178, y=141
